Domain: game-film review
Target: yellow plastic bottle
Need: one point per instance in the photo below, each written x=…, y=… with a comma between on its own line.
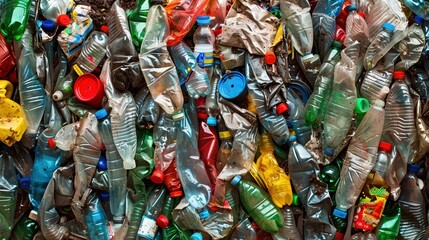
x=274, y=177
x=12, y=122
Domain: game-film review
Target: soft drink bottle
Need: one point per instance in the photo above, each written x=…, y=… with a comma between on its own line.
x=413, y=206
x=259, y=205
x=8, y=193
x=212, y=106
x=296, y=117
x=117, y=173
x=144, y=153
x=204, y=40
x=274, y=177
x=411, y=47
x=379, y=43
x=152, y=215
x=389, y=226
x=56, y=11
x=96, y=220
x=93, y=52
x=25, y=229
x=47, y=159
x=14, y=19
x=154, y=57
x=360, y=158
x=316, y=104
x=172, y=180
x=137, y=21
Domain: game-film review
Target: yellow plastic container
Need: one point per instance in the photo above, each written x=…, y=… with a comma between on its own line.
x=274, y=177
x=12, y=122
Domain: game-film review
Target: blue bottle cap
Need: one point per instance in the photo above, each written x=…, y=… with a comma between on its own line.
x=48, y=25
x=102, y=113
x=203, y=20
x=419, y=19
x=351, y=7
x=302, y=88
x=233, y=86
x=340, y=213
x=102, y=163
x=24, y=182
x=211, y=121
x=329, y=151
x=197, y=236
x=388, y=26
x=204, y=213
x=413, y=168
x=292, y=138
x=236, y=180
x=104, y=196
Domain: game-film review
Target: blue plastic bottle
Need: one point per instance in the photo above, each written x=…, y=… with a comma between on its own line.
x=96, y=220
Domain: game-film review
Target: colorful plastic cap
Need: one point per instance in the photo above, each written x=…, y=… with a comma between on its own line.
x=351, y=7
x=157, y=176
x=63, y=20
x=388, y=26
x=281, y=108
x=162, y=221
x=385, y=146
x=211, y=121
x=203, y=20
x=340, y=213
x=270, y=57
x=398, y=75
x=89, y=89
x=236, y=180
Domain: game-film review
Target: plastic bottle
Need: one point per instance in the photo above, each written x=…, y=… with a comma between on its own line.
x=375, y=84
x=382, y=162
x=212, y=106
x=259, y=205
x=420, y=82
x=137, y=21
x=96, y=220
x=316, y=104
x=225, y=145
x=356, y=27
x=389, y=226
x=47, y=159
x=117, y=173
x=8, y=194
x=360, y=158
x=165, y=89
x=289, y=231
x=274, y=177
x=192, y=173
x=24, y=165
x=144, y=153
x=296, y=117
x=172, y=181
x=417, y=7
x=25, y=229
x=93, y=52
x=244, y=230
x=379, y=43
x=172, y=231
x=152, y=214
x=204, y=40
x=310, y=65
x=413, y=206
x=14, y=19
x=55, y=11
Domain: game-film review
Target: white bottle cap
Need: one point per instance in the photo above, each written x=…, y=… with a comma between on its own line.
x=129, y=164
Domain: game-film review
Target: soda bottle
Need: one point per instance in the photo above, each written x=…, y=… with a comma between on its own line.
x=411, y=47
x=14, y=19
x=172, y=181
x=274, y=177
x=25, y=229
x=137, y=21
x=379, y=43
x=165, y=89
x=8, y=193
x=172, y=231
x=152, y=214
x=360, y=158
x=413, y=206
x=96, y=220
x=389, y=226
x=117, y=173
x=296, y=117
x=93, y=52
x=212, y=106
x=316, y=104
x=144, y=153
x=56, y=11
x=204, y=40
x=47, y=159
x=259, y=205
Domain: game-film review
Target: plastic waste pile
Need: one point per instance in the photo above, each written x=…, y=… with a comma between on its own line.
x=214, y=119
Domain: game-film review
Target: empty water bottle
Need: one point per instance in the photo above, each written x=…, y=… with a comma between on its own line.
x=356, y=27
x=8, y=193
x=212, y=106
x=96, y=220
x=296, y=117
x=375, y=84
x=93, y=52
x=204, y=41
x=411, y=47
x=378, y=44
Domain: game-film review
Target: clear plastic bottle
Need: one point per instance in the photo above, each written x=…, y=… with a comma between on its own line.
x=155, y=62
x=212, y=106
x=96, y=220
x=152, y=214
x=420, y=82
x=47, y=159
x=379, y=43
x=413, y=206
x=356, y=27
x=204, y=40
x=14, y=18
x=376, y=83
x=93, y=51
x=56, y=11
x=310, y=65
x=289, y=231
x=296, y=117
x=117, y=173
x=8, y=194
x=382, y=163
x=316, y=105
x=360, y=158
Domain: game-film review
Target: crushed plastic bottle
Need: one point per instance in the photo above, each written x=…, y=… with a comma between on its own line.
x=380, y=42
x=8, y=193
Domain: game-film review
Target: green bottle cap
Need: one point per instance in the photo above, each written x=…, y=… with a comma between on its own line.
x=362, y=105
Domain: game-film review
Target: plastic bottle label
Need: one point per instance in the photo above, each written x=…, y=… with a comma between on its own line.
x=147, y=228
x=205, y=59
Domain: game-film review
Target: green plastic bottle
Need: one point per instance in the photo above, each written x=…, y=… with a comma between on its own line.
x=259, y=206
x=25, y=229
x=8, y=194
x=388, y=228
x=140, y=201
x=145, y=153
x=137, y=21
x=14, y=19
x=172, y=231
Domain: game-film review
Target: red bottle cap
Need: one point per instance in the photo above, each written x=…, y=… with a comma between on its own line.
x=217, y=31
x=281, y=108
x=398, y=75
x=176, y=194
x=89, y=89
x=270, y=57
x=339, y=236
x=105, y=29
x=157, y=176
x=63, y=20
x=385, y=146
x=162, y=221
x=51, y=143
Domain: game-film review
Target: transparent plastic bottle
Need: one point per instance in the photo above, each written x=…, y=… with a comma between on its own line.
x=152, y=214
x=379, y=43
x=296, y=117
x=204, y=40
x=413, y=206
x=316, y=104
x=420, y=82
x=93, y=52
x=8, y=194
x=212, y=106
x=96, y=220
x=289, y=231
x=356, y=27
x=47, y=159
x=155, y=62
x=310, y=65
x=360, y=158
x=376, y=83
x=117, y=173
x=56, y=11
x=14, y=19
x=382, y=163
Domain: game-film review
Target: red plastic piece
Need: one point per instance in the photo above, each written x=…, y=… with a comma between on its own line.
x=342, y=17
x=385, y=146
x=63, y=20
x=162, y=221
x=208, y=144
x=398, y=75
x=7, y=59
x=172, y=180
x=105, y=29
x=340, y=34
x=281, y=108
x=270, y=57
x=157, y=176
x=89, y=89
x=51, y=143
